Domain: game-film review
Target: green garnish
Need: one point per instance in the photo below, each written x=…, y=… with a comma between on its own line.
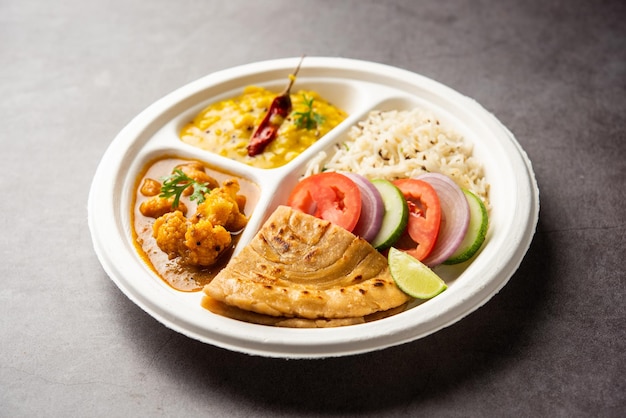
x=308, y=119
x=176, y=183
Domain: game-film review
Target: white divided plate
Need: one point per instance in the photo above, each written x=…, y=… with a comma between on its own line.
x=357, y=87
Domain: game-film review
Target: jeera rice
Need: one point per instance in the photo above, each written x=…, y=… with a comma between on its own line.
x=404, y=143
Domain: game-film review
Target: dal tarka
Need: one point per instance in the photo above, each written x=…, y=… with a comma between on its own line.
x=225, y=127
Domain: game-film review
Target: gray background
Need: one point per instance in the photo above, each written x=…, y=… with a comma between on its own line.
x=551, y=343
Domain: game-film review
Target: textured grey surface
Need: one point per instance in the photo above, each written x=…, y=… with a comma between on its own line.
x=551, y=343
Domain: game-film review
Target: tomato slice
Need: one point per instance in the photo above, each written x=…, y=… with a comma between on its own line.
x=330, y=196
x=424, y=216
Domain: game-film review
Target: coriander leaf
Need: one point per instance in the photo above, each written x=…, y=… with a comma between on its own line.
x=176, y=183
x=199, y=190
x=308, y=118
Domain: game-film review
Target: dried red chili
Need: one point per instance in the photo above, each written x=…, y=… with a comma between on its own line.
x=278, y=111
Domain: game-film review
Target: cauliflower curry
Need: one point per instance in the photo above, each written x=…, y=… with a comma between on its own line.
x=187, y=218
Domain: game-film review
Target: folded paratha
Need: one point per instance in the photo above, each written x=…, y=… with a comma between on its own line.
x=302, y=267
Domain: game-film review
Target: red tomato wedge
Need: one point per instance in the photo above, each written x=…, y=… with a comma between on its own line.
x=424, y=215
x=330, y=196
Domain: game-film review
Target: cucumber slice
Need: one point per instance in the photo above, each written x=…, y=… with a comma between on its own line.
x=476, y=230
x=396, y=214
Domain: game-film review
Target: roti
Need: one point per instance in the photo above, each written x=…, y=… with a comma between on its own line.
x=302, y=267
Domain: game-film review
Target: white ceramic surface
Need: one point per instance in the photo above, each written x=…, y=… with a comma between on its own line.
x=357, y=87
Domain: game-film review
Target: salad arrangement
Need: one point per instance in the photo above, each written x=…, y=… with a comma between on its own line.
x=428, y=217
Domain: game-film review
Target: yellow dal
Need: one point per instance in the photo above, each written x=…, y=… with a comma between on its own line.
x=225, y=127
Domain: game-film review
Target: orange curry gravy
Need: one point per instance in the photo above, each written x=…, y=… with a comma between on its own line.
x=178, y=275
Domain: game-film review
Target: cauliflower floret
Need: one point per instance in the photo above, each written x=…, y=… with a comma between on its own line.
x=198, y=244
x=169, y=231
x=205, y=242
x=156, y=206
x=201, y=240
x=222, y=208
x=195, y=170
x=232, y=187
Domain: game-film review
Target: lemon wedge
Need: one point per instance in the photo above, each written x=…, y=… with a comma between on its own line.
x=413, y=277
